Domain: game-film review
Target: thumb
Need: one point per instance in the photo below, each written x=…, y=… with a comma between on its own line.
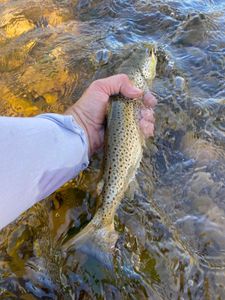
x=118, y=84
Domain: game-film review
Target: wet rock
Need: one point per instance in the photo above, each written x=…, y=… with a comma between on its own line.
x=179, y=83
x=102, y=57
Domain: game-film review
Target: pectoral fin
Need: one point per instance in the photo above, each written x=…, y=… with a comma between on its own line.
x=100, y=187
x=132, y=188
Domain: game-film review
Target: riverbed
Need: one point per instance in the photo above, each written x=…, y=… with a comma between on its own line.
x=171, y=231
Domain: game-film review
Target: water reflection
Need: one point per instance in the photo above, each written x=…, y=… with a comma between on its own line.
x=171, y=243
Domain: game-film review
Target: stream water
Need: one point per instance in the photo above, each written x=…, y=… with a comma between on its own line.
x=171, y=233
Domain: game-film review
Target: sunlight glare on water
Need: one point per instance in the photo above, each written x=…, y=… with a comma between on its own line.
x=171, y=233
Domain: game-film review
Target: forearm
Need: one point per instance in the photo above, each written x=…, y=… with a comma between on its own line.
x=37, y=156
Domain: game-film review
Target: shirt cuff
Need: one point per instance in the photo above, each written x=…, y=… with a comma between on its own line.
x=68, y=122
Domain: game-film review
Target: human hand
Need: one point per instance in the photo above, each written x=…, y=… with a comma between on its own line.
x=91, y=109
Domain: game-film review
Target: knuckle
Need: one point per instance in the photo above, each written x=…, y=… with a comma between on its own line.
x=123, y=77
x=97, y=85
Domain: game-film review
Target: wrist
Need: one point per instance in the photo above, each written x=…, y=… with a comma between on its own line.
x=77, y=119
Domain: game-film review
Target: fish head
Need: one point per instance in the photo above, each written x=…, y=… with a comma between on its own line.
x=140, y=66
x=148, y=63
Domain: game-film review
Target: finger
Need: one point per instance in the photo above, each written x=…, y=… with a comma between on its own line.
x=147, y=128
x=149, y=100
x=118, y=84
x=147, y=115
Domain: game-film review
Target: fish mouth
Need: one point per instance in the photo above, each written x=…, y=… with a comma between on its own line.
x=149, y=48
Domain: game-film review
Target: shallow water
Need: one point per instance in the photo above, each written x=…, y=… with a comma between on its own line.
x=172, y=242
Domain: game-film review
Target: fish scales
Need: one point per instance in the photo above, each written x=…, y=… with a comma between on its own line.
x=123, y=153
x=124, y=142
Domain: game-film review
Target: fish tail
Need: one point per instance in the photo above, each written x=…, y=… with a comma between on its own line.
x=98, y=243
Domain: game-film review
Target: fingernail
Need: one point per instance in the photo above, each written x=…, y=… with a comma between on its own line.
x=136, y=90
x=152, y=98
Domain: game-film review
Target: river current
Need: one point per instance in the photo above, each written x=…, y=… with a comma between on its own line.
x=171, y=232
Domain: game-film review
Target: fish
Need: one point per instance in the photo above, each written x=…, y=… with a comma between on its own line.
x=123, y=153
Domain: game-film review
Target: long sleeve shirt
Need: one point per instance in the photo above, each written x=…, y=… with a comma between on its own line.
x=37, y=156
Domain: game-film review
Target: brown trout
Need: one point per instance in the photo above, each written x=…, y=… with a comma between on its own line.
x=123, y=153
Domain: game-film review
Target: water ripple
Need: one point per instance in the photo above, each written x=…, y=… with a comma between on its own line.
x=171, y=242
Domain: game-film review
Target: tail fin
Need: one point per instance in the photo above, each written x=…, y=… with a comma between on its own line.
x=95, y=242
